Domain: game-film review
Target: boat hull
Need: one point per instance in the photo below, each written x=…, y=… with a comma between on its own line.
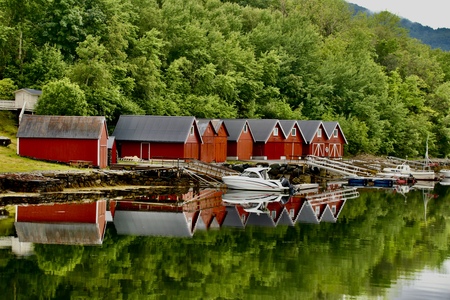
x=253, y=184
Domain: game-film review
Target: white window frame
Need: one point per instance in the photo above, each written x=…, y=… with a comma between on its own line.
x=335, y=133
x=317, y=210
x=292, y=213
x=191, y=132
x=333, y=209
x=294, y=131
x=275, y=131
x=245, y=128
x=319, y=132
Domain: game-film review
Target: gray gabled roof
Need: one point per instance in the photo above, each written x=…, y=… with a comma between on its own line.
x=64, y=127
x=59, y=233
x=235, y=128
x=287, y=126
x=152, y=223
x=330, y=126
x=263, y=128
x=30, y=91
x=307, y=214
x=170, y=129
x=309, y=129
x=217, y=123
x=232, y=218
x=262, y=220
x=327, y=216
x=111, y=141
x=285, y=218
x=202, y=124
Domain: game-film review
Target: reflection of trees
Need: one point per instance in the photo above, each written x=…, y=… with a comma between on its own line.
x=58, y=259
x=378, y=237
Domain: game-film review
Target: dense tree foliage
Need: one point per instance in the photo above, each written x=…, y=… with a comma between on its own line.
x=284, y=59
x=379, y=238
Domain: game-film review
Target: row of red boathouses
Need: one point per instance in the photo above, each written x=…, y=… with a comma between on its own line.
x=82, y=138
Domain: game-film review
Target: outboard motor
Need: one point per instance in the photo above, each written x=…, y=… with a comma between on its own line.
x=286, y=183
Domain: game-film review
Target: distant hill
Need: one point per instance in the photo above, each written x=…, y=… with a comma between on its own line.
x=435, y=38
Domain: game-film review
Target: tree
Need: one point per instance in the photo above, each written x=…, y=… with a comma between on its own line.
x=7, y=89
x=62, y=97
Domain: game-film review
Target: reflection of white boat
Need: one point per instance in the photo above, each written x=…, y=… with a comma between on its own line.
x=445, y=173
x=256, y=179
x=304, y=188
x=405, y=170
x=242, y=197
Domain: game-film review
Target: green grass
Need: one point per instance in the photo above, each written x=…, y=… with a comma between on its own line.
x=10, y=162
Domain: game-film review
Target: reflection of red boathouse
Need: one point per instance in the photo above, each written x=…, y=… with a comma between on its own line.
x=180, y=219
x=68, y=223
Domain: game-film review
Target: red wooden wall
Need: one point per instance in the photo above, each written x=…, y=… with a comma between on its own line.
x=62, y=150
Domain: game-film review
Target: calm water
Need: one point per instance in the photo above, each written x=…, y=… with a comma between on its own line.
x=374, y=244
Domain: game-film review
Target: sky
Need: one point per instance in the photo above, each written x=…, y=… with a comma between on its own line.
x=432, y=13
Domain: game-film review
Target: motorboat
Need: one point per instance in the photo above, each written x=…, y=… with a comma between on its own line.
x=445, y=177
x=256, y=179
x=405, y=170
x=240, y=197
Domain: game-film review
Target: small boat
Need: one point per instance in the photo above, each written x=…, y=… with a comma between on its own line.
x=405, y=170
x=256, y=179
x=445, y=177
x=444, y=173
x=240, y=197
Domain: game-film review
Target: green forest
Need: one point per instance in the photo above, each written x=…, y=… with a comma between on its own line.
x=281, y=59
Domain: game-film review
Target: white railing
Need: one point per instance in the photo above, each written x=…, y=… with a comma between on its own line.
x=7, y=104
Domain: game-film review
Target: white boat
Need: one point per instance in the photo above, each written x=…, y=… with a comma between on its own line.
x=241, y=197
x=406, y=170
x=256, y=179
x=444, y=173
x=445, y=177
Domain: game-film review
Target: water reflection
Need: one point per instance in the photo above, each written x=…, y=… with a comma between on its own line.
x=68, y=223
x=310, y=246
x=175, y=215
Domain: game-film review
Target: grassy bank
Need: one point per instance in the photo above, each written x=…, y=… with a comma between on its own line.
x=9, y=161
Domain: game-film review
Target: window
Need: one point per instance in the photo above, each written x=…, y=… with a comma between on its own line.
x=273, y=213
x=333, y=209
x=319, y=132
x=317, y=210
x=294, y=132
x=335, y=133
x=245, y=128
x=275, y=131
x=292, y=213
x=192, y=130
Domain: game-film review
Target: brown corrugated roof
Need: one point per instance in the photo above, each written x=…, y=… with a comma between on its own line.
x=64, y=127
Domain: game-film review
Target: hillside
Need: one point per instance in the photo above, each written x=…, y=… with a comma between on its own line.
x=225, y=59
x=10, y=162
x=435, y=38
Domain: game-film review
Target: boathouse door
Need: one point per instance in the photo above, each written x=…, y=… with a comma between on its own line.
x=145, y=151
x=318, y=149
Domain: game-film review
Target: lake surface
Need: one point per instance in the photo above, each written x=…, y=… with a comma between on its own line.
x=366, y=243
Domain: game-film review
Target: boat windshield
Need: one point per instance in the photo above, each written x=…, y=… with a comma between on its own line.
x=250, y=174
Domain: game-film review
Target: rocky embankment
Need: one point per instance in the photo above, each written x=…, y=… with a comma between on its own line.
x=33, y=188
x=45, y=187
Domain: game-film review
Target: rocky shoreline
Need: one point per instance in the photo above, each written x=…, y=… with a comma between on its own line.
x=93, y=184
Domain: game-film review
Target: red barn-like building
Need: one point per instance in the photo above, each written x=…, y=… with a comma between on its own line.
x=269, y=139
x=214, y=136
x=64, y=139
x=334, y=145
x=315, y=138
x=240, y=139
x=294, y=139
x=158, y=137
